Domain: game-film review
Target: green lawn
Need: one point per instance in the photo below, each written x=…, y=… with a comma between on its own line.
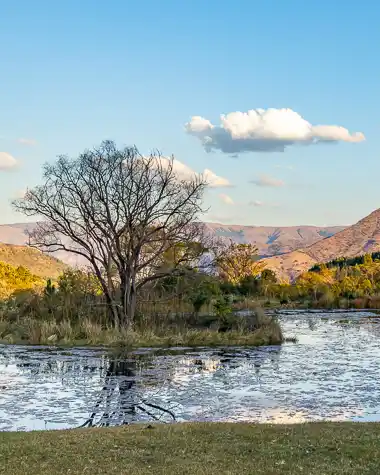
x=180, y=449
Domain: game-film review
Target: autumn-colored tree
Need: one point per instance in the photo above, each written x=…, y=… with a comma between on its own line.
x=238, y=262
x=76, y=281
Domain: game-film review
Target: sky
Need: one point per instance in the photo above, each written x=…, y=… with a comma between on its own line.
x=276, y=101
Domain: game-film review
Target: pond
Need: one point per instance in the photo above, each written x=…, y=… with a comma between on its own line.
x=331, y=373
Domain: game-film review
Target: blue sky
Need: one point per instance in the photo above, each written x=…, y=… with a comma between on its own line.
x=76, y=72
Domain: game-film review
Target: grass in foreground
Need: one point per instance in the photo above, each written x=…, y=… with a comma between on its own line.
x=32, y=331
x=196, y=449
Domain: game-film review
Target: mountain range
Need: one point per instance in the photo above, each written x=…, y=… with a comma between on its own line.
x=270, y=240
x=288, y=251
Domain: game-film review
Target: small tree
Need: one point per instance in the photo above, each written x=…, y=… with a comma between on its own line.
x=238, y=262
x=203, y=290
x=123, y=213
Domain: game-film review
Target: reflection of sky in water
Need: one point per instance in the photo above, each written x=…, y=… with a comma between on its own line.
x=331, y=373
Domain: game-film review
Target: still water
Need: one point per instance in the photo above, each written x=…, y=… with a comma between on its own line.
x=331, y=373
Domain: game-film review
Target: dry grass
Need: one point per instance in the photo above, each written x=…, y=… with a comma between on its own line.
x=33, y=331
x=196, y=449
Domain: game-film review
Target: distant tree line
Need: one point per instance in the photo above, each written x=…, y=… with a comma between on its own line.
x=346, y=261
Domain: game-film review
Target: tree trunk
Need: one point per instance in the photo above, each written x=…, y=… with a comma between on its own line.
x=128, y=300
x=131, y=309
x=113, y=310
x=109, y=295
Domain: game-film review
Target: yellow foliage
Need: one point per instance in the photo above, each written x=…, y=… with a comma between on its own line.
x=238, y=262
x=357, y=280
x=76, y=281
x=17, y=278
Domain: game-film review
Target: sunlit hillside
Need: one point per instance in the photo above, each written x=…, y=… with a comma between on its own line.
x=36, y=262
x=14, y=278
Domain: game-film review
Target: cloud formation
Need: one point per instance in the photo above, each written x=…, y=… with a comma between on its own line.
x=184, y=172
x=7, y=162
x=268, y=181
x=215, y=181
x=29, y=142
x=226, y=199
x=260, y=130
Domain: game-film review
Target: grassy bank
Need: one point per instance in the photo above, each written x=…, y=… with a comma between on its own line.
x=45, y=332
x=196, y=449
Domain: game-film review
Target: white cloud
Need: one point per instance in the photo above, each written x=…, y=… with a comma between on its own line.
x=7, y=162
x=260, y=130
x=184, y=172
x=256, y=203
x=29, y=142
x=215, y=181
x=226, y=199
x=265, y=180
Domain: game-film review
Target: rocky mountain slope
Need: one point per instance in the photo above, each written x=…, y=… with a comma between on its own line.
x=363, y=237
x=274, y=240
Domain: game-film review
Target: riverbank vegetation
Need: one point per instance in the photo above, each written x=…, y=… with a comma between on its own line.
x=197, y=449
x=190, y=308
x=73, y=310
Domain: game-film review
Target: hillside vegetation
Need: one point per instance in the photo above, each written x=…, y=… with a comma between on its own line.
x=13, y=279
x=36, y=262
x=340, y=283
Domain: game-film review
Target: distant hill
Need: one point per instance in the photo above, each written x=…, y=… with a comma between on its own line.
x=361, y=238
x=17, y=234
x=270, y=240
x=36, y=262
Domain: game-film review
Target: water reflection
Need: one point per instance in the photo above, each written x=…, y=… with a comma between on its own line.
x=120, y=401
x=331, y=373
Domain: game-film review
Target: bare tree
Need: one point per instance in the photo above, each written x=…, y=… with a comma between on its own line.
x=124, y=213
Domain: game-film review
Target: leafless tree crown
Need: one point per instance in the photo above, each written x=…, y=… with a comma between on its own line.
x=121, y=211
